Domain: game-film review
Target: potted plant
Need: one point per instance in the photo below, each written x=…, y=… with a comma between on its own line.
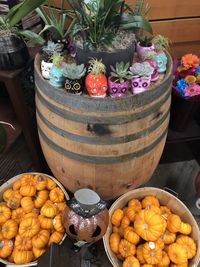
x=46, y=57
x=74, y=74
x=96, y=82
x=150, y=57
x=13, y=50
x=161, y=43
x=104, y=30
x=144, y=45
x=141, y=76
x=56, y=72
x=118, y=80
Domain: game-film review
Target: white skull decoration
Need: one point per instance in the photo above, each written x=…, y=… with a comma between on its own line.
x=45, y=68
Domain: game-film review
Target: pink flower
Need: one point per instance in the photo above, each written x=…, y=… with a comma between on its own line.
x=192, y=90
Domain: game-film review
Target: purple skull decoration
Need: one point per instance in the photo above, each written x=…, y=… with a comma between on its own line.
x=117, y=89
x=140, y=84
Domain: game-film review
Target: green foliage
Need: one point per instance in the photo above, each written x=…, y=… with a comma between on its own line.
x=49, y=49
x=96, y=66
x=145, y=41
x=74, y=72
x=161, y=42
x=99, y=23
x=121, y=72
x=57, y=59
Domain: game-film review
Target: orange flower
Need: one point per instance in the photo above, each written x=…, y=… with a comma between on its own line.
x=198, y=78
x=190, y=79
x=181, y=68
x=190, y=60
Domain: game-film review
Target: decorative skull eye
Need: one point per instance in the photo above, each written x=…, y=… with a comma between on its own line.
x=68, y=86
x=48, y=68
x=123, y=90
x=104, y=88
x=77, y=86
x=114, y=90
x=160, y=63
x=135, y=84
x=56, y=78
x=145, y=84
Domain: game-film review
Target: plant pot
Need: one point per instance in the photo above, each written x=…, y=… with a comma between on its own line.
x=155, y=75
x=117, y=89
x=108, y=58
x=161, y=60
x=56, y=76
x=74, y=86
x=141, y=50
x=45, y=69
x=13, y=52
x=140, y=84
x=96, y=85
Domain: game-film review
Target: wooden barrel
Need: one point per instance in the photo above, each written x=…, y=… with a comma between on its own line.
x=110, y=145
x=165, y=199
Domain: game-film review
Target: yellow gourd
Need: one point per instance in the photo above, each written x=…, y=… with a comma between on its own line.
x=173, y=223
x=185, y=229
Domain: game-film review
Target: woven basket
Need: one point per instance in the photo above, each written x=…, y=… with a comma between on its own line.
x=9, y=184
x=165, y=199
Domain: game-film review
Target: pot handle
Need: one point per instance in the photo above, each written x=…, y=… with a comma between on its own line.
x=171, y=191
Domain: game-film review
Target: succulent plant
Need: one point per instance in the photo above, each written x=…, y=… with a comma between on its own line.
x=49, y=49
x=74, y=72
x=96, y=66
x=145, y=41
x=143, y=69
x=160, y=42
x=57, y=59
x=121, y=72
x=148, y=55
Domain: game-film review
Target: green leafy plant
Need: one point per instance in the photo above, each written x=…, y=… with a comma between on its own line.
x=145, y=41
x=57, y=59
x=49, y=49
x=121, y=72
x=160, y=42
x=96, y=66
x=8, y=23
x=99, y=23
x=143, y=69
x=74, y=71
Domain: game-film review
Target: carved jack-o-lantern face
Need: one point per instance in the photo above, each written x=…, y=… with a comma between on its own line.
x=73, y=86
x=85, y=229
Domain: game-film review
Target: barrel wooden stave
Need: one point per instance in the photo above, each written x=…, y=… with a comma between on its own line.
x=108, y=145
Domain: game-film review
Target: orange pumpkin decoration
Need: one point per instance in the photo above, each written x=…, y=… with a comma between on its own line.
x=40, y=198
x=5, y=214
x=119, y=256
x=38, y=252
x=131, y=213
x=165, y=211
x=22, y=257
x=185, y=229
x=17, y=185
x=30, y=215
x=126, y=248
x=6, y=248
x=40, y=240
x=56, y=237
x=125, y=222
x=118, y=230
x=173, y=223
x=152, y=253
x=160, y=243
x=189, y=244
x=50, y=184
x=57, y=224
x=27, y=204
x=114, y=242
x=28, y=190
x=165, y=261
x=139, y=254
x=117, y=217
x=149, y=201
x=146, y=265
x=56, y=195
x=7, y=194
x=11, y=257
x=14, y=200
x=149, y=225
x=154, y=208
x=136, y=204
x=29, y=227
x=9, y=229
x=22, y=243
x=48, y=210
x=60, y=206
x=168, y=237
x=131, y=236
x=41, y=182
x=177, y=253
x=45, y=223
x=18, y=214
x=131, y=261
x=179, y=265
x=27, y=179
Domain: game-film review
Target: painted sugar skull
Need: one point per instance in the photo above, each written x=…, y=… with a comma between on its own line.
x=85, y=218
x=140, y=84
x=56, y=76
x=96, y=85
x=117, y=89
x=161, y=60
x=45, y=68
x=73, y=86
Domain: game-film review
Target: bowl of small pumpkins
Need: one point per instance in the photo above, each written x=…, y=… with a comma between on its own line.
x=31, y=206
x=151, y=227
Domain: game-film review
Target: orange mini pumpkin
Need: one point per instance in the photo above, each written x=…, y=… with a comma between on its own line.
x=149, y=201
x=189, y=244
x=22, y=243
x=18, y=214
x=41, y=239
x=149, y=225
x=139, y=254
x=38, y=252
x=30, y=215
x=49, y=210
x=173, y=223
x=131, y=236
x=5, y=214
x=125, y=222
x=165, y=261
x=114, y=242
x=6, y=248
x=27, y=179
x=131, y=213
x=177, y=254
x=154, y=208
x=126, y=248
x=165, y=211
x=50, y=184
x=28, y=190
x=9, y=229
x=152, y=253
x=17, y=185
x=27, y=204
x=56, y=237
x=131, y=261
x=41, y=182
x=185, y=229
x=29, y=227
x=22, y=257
x=7, y=194
x=14, y=200
x=56, y=195
x=45, y=223
x=60, y=206
x=135, y=204
x=117, y=217
x=168, y=237
x=57, y=224
x=40, y=198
